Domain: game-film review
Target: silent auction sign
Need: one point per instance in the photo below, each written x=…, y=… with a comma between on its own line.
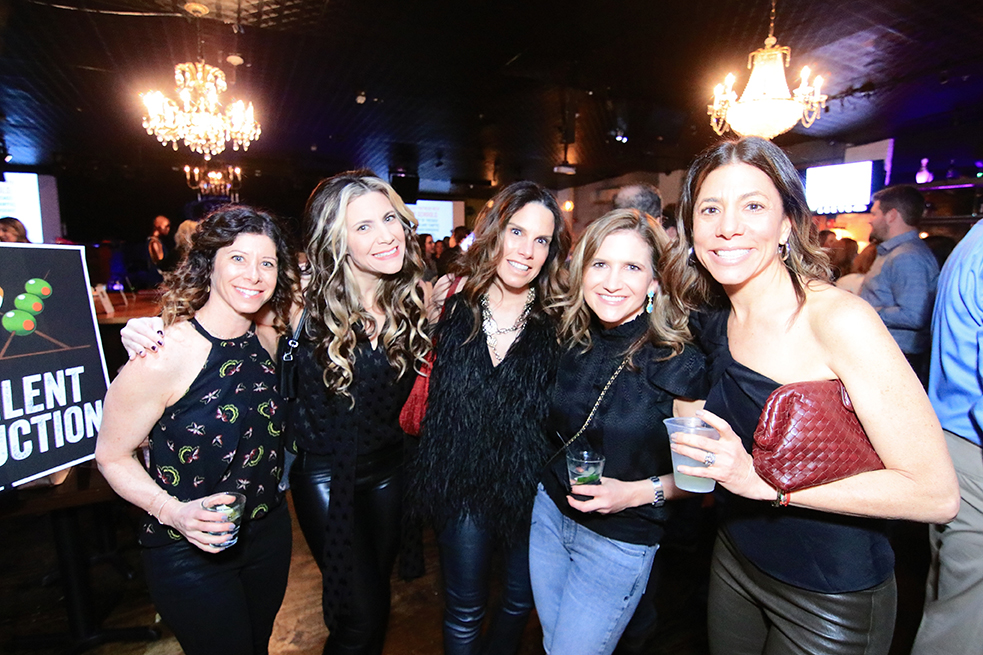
x=52, y=373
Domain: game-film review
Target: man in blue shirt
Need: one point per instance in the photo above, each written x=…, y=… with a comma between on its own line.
x=901, y=284
x=953, y=619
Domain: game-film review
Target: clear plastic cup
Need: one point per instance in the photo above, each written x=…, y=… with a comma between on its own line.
x=690, y=425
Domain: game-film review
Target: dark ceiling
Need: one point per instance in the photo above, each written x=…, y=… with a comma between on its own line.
x=471, y=93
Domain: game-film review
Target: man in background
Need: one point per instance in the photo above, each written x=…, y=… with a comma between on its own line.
x=645, y=198
x=953, y=620
x=901, y=284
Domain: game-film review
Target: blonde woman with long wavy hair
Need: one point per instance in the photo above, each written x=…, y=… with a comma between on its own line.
x=362, y=342
x=591, y=547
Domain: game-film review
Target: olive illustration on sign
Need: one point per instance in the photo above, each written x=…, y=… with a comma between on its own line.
x=29, y=303
x=39, y=287
x=19, y=322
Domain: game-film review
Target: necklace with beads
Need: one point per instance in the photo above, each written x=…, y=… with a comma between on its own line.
x=490, y=326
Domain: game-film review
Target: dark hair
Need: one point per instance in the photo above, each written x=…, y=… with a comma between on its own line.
x=187, y=287
x=643, y=197
x=480, y=262
x=806, y=261
x=909, y=202
x=460, y=232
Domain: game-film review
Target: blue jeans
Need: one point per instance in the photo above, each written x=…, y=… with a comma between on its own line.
x=586, y=586
x=466, y=551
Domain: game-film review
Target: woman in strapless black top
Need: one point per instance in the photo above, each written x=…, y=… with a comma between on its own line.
x=812, y=571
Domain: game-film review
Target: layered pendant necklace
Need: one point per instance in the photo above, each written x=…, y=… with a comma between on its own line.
x=490, y=326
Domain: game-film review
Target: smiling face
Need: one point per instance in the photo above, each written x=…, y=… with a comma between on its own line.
x=376, y=239
x=617, y=280
x=525, y=246
x=244, y=274
x=738, y=224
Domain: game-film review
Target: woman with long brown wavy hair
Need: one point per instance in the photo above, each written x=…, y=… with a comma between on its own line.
x=809, y=571
x=483, y=442
x=210, y=405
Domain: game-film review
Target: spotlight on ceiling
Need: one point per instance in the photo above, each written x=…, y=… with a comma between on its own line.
x=565, y=168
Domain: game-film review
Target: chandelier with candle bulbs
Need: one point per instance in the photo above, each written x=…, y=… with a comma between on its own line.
x=211, y=180
x=766, y=108
x=197, y=119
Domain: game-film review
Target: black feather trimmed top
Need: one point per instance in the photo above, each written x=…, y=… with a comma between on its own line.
x=483, y=445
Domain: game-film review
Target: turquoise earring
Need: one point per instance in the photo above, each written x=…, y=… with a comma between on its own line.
x=651, y=303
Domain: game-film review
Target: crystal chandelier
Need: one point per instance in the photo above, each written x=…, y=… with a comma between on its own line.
x=766, y=107
x=222, y=181
x=198, y=120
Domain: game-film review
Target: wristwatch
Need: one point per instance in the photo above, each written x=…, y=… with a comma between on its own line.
x=660, y=495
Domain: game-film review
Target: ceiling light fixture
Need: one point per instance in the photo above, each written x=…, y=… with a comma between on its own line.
x=766, y=107
x=199, y=120
x=216, y=181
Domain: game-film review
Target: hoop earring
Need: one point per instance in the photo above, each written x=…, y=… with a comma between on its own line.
x=651, y=303
x=691, y=259
x=783, y=251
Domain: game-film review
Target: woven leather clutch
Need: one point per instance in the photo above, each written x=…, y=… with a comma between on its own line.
x=808, y=435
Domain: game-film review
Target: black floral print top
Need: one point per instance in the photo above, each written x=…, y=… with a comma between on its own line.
x=222, y=435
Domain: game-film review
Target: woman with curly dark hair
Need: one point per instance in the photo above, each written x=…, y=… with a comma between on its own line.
x=483, y=442
x=214, y=417
x=362, y=341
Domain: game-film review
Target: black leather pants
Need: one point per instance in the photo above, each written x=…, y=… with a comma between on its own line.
x=752, y=613
x=465, y=561
x=378, y=519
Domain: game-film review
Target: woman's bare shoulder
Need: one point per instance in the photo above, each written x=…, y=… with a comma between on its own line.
x=830, y=308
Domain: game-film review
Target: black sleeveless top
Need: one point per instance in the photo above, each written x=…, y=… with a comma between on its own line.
x=222, y=435
x=818, y=551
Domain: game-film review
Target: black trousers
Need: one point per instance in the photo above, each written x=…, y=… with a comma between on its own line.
x=223, y=602
x=752, y=613
x=378, y=520
x=466, y=551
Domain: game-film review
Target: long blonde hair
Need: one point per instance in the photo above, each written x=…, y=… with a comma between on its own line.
x=332, y=300
x=667, y=322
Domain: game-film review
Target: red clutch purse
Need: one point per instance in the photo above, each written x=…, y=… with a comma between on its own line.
x=808, y=435
x=415, y=408
x=411, y=416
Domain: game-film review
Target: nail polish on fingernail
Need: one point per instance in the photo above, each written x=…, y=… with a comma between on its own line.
x=160, y=332
x=154, y=348
x=160, y=343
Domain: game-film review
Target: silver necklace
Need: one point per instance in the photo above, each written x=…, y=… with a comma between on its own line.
x=490, y=326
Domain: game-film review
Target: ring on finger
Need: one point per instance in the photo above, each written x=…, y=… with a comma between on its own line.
x=709, y=459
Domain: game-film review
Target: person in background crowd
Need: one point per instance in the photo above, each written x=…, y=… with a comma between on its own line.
x=439, y=247
x=826, y=239
x=483, y=445
x=452, y=252
x=12, y=230
x=841, y=257
x=210, y=405
x=861, y=264
x=645, y=198
x=428, y=248
x=954, y=592
x=156, y=248
x=182, y=244
x=811, y=571
x=901, y=284
x=589, y=559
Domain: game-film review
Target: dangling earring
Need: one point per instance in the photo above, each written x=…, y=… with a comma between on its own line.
x=651, y=303
x=691, y=259
x=783, y=251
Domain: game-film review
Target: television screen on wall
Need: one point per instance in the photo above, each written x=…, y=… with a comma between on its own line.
x=843, y=188
x=32, y=199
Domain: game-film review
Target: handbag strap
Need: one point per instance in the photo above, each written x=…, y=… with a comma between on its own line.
x=597, y=404
x=287, y=378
